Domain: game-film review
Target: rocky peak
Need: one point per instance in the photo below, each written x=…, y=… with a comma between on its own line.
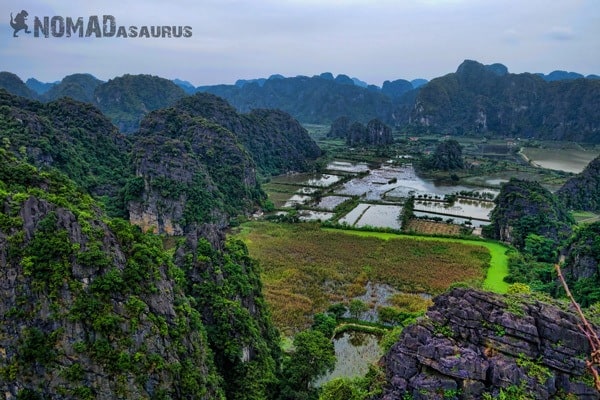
x=474, y=342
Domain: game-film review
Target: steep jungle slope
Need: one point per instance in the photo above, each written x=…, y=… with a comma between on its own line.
x=90, y=307
x=125, y=100
x=71, y=136
x=13, y=84
x=479, y=99
x=524, y=208
x=582, y=192
x=582, y=264
x=79, y=87
x=276, y=141
x=189, y=171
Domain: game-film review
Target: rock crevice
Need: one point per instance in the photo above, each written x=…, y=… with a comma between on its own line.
x=474, y=342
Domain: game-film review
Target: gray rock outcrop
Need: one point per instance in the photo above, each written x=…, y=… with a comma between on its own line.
x=473, y=342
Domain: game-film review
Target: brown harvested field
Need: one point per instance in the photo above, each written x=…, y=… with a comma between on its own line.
x=431, y=227
x=306, y=269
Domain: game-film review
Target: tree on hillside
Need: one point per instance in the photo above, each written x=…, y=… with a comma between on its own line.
x=313, y=356
x=447, y=156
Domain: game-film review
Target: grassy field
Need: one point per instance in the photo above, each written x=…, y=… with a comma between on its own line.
x=498, y=262
x=424, y=227
x=306, y=268
x=585, y=217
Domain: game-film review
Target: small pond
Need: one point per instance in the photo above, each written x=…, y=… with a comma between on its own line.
x=354, y=351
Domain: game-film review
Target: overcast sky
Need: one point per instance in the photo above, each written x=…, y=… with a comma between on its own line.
x=374, y=40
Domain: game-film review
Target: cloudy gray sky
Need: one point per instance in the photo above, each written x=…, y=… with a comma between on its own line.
x=373, y=40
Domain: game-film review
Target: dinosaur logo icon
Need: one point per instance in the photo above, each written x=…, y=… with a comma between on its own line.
x=18, y=23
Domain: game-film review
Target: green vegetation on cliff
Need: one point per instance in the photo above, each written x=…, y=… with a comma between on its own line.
x=71, y=136
x=194, y=171
x=102, y=310
x=309, y=99
x=93, y=308
x=582, y=264
x=276, y=141
x=524, y=208
x=582, y=192
x=80, y=87
x=127, y=99
x=479, y=99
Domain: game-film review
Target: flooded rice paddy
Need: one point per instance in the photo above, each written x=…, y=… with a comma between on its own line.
x=381, y=191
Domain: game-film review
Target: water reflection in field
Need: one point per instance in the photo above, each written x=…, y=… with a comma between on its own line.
x=381, y=216
x=461, y=208
x=383, y=190
x=330, y=202
x=354, y=352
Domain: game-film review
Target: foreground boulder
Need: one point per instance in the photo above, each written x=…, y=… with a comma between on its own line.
x=476, y=344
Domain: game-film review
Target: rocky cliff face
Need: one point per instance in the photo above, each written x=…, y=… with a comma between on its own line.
x=90, y=307
x=524, y=208
x=191, y=171
x=582, y=263
x=478, y=99
x=582, y=192
x=276, y=141
x=473, y=343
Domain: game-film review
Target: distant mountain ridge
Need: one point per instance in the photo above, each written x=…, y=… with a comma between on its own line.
x=314, y=99
x=475, y=100
x=479, y=99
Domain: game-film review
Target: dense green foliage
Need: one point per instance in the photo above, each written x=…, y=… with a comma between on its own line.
x=185, y=157
x=13, y=84
x=375, y=133
x=309, y=99
x=127, y=99
x=72, y=137
x=276, y=142
x=227, y=289
x=478, y=99
x=582, y=192
x=447, y=156
x=354, y=389
x=524, y=208
x=80, y=87
x=313, y=356
x=339, y=128
x=85, y=291
x=582, y=264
